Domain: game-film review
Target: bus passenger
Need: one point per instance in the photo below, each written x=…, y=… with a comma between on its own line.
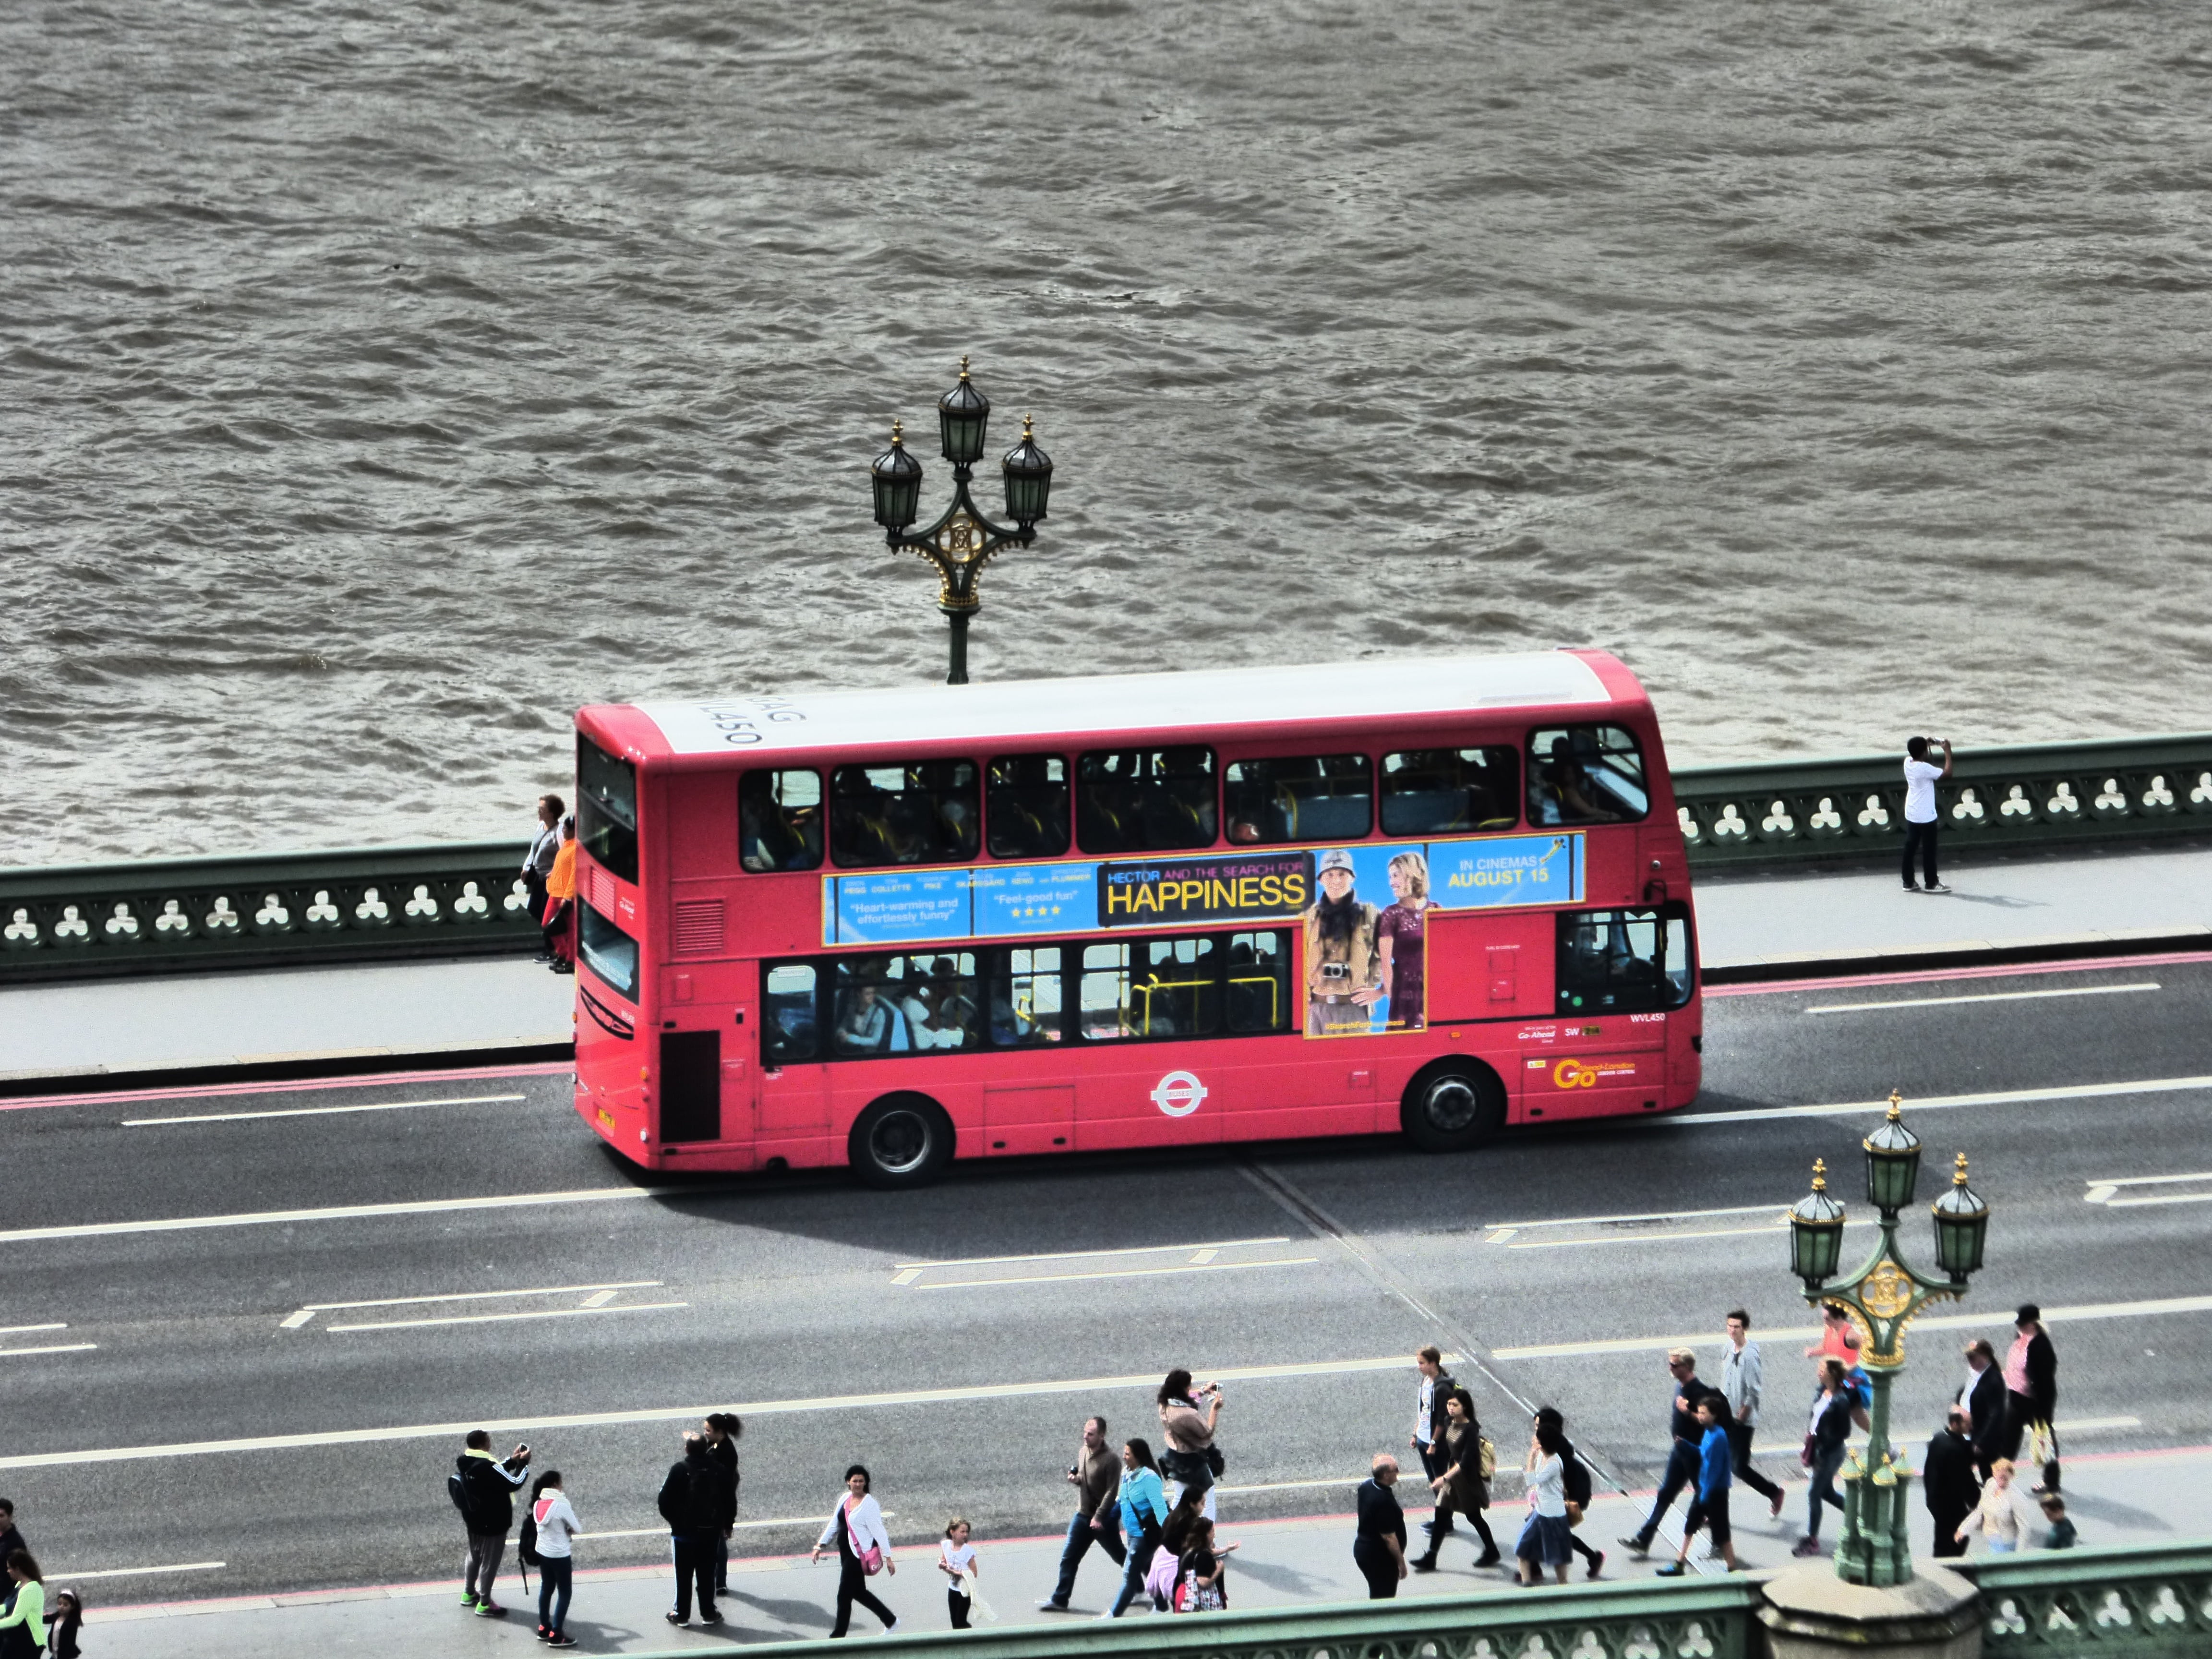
x=1565, y=793
x=866, y=1024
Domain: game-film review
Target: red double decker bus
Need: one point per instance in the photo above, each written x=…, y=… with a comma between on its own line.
x=891, y=928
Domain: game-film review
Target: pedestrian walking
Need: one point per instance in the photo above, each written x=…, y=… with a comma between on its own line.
x=11, y=1539
x=1577, y=1481
x=1741, y=1379
x=1140, y=1500
x=1202, y=1571
x=1715, y=1475
x=1544, y=1534
x=23, y=1625
x=1095, y=1473
x=69, y=1618
x=2031, y=1380
x=1189, y=1416
x=556, y=1525
x=856, y=1532
x=1378, y=1547
x=1839, y=1340
x=1984, y=1397
x=1429, y=1399
x=1949, y=1480
x=723, y=1429
x=559, y=914
x=2059, y=1534
x=1682, y=1452
x=956, y=1559
x=538, y=862
x=1920, y=777
x=1825, y=1435
x=2003, y=1516
x=483, y=1487
x=1461, y=1482
x=691, y=1502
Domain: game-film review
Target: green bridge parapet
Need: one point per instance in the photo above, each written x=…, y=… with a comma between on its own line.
x=296, y=910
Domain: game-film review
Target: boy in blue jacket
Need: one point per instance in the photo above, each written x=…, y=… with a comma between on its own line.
x=1716, y=1475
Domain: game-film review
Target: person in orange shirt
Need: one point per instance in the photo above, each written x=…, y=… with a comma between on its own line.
x=560, y=900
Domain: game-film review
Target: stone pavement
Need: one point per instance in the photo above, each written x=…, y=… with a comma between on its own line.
x=458, y=1011
x=2156, y=1497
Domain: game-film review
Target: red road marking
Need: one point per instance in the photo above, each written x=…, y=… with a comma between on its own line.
x=210, y=1091
x=2003, y=971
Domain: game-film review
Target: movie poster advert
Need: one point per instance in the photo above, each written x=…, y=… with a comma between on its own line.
x=1245, y=887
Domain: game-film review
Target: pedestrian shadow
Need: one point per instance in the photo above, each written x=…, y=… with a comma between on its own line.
x=806, y=1615
x=1996, y=901
x=2117, y=1515
x=1284, y=1581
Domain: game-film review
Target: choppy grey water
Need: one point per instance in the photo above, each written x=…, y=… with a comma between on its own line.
x=381, y=382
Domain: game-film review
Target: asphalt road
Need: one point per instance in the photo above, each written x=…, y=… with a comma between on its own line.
x=797, y=1299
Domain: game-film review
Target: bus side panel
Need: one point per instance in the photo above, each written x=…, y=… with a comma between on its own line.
x=1490, y=964
x=1286, y=1088
x=1608, y=1065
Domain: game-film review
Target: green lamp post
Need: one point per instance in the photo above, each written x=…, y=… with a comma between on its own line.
x=962, y=541
x=1881, y=1299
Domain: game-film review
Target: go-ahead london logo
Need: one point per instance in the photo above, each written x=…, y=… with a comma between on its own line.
x=1179, y=1094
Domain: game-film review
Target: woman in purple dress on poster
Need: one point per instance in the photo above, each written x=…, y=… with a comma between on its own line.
x=1398, y=933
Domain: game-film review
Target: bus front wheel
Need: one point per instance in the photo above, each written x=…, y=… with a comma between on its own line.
x=1452, y=1107
x=901, y=1140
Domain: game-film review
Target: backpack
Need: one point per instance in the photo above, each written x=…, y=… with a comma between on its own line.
x=458, y=1490
x=525, y=1541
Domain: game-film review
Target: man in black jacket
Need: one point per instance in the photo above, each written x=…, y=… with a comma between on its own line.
x=1984, y=1397
x=1682, y=1460
x=488, y=1487
x=1429, y=1418
x=723, y=1429
x=1952, y=1487
x=691, y=1502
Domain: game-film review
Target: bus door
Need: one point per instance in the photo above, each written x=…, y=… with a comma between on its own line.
x=793, y=1088
x=1620, y=974
x=705, y=1053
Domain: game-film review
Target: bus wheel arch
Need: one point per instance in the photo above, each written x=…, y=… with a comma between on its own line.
x=902, y=1139
x=1453, y=1105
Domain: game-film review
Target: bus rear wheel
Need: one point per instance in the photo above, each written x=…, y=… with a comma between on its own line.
x=901, y=1140
x=1452, y=1107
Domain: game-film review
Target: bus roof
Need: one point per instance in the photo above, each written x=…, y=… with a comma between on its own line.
x=1209, y=698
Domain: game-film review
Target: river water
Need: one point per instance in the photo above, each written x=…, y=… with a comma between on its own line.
x=381, y=382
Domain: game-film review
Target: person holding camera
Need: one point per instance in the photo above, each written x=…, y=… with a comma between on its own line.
x=1094, y=1474
x=488, y=1485
x=1920, y=777
x=1189, y=1416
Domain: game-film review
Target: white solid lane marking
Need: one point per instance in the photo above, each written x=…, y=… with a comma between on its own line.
x=138, y=1572
x=2176, y=1305
x=1076, y=1255
x=1146, y=1380
x=484, y=1296
x=2157, y=1198
x=1666, y=1238
x=1346, y=1481
x=57, y=1347
x=2159, y=1085
x=790, y=1521
x=1984, y=996
x=2094, y=1425
x=1120, y=1272
x=2106, y=1192
x=20, y=1330
x=2150, y=1181
x=506, y=1318
x=321, y=1111
x=185, y=1223
x=1648, y=1215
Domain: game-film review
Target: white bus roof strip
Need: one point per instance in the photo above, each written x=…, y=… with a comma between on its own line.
x=1016, y=709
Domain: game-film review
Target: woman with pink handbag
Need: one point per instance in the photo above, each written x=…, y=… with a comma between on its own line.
x=863, y=1548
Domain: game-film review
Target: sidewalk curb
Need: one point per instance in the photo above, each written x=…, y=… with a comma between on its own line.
x=1962, y=953
x=255, y=1068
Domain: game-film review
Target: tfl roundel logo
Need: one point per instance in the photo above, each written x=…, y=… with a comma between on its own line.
x=1179, y=1094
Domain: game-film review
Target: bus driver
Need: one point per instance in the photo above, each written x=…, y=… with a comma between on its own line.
x=1344, y=969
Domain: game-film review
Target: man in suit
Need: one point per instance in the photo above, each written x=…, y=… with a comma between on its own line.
x=1952, y=1485
x=1983, y=1398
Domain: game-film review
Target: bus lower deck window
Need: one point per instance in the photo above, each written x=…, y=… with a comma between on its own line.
x=917, y=1003
x=1585, y=774
x=1445, y=792
x=1310, y=798
x=780, y=820
x=790, y=1030
x=1624, y=961
x=905, y=812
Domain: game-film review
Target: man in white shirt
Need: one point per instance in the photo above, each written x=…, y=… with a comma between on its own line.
x=1741, y=1381
x=1920, y=777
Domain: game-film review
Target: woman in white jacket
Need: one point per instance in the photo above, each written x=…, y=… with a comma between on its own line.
x=556, y=1524
x=856, y=1531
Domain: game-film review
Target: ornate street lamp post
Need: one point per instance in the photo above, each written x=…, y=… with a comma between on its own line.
x=1882, y=1299
x=963, y=540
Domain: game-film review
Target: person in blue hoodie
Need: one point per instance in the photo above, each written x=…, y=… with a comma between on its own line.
x=1144, y=1509
x=1716, y=1475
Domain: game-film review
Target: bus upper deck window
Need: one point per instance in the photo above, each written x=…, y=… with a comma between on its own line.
x=1585, y=774
x=606, y=808
x=1313, y=798
x=1145, y=800
x=1445, y=792
x=1025, y=802
x=780, y=820
x=909, y=812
